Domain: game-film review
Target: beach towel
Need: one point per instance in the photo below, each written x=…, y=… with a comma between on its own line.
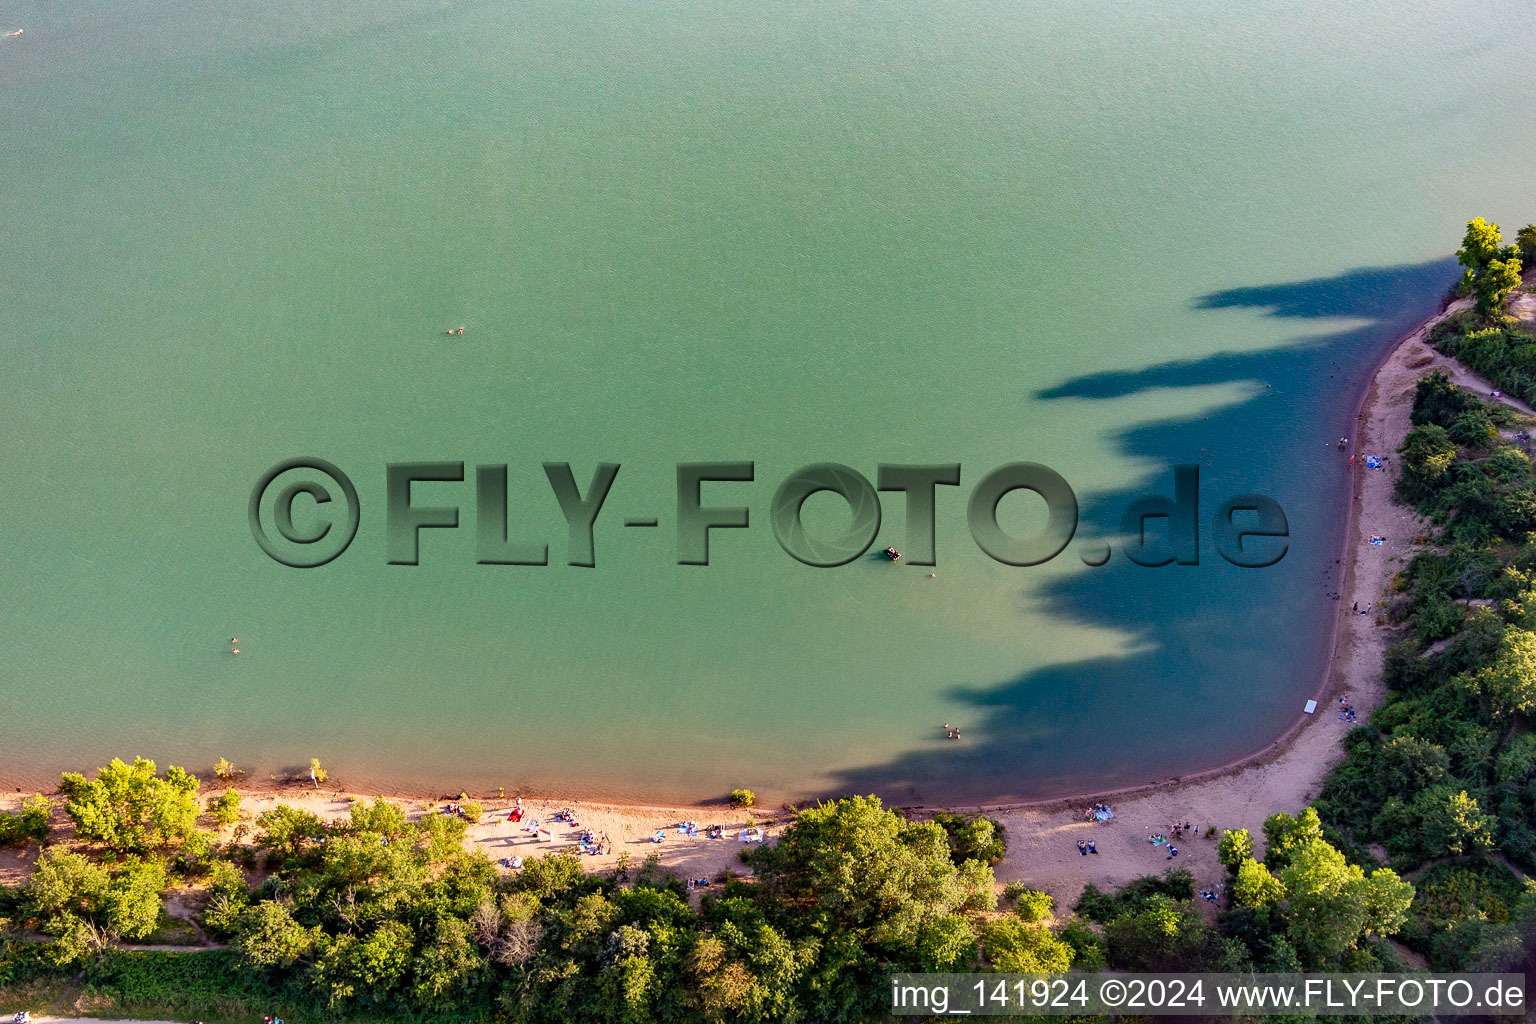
x=1373, y=461
x=1376, y=543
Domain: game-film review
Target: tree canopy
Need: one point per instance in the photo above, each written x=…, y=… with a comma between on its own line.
x=130, y=808
x=1492, y=268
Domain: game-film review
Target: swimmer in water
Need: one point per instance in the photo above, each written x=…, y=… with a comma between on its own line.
x=13, y=35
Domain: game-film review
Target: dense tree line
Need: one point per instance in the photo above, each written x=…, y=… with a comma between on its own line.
x=1441, y=782
x=384, y=916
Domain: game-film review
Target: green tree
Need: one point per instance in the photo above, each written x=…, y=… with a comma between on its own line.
x=947, y=944
x=1437, y=400
x=66, y=888
x=1386, y=899
x=133, y=905
x=87, y=905
x=1255, y=886
x=1492, y=269
x=267, y=936
x=1162, y=934
x=1322, y=921
x=1428, y=453
x=381, y=817
x=1018, y=947
x=1033, y=905
x=1454, y=823
x=30, y=824
x=1508, y=684
x=447, y=962
x=1525, y=239
x=228, y=896
x=972, y=837
x=286, y=829
x=225, y=808
x=131, y=809
x=870, y=871
x=1236, y=846
x=1408, y=764
x=1284, y=834
x=369, y=969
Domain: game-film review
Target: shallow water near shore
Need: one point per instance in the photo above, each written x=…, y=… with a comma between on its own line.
x=1105, y=241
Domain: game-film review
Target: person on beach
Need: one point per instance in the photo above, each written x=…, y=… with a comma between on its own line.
x=1082, y=848
x=1093, y=848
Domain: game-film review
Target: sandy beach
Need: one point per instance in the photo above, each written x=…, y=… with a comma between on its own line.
x=1042, y=837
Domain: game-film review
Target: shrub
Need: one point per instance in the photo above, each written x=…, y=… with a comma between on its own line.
x=130, y=808
x=743, y=798
x=1087, y=946
x=972, y=837
x=1033, y=905
x=1235, y=847
x=316, y=772
x=1016, y=947
x=226, y=808
x=225, y=770
x=29, y=824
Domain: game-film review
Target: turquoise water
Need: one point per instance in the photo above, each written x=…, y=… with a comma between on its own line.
x=1107, y=239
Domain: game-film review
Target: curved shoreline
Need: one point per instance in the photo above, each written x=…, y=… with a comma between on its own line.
x=1285, y=775
x=1328, y=684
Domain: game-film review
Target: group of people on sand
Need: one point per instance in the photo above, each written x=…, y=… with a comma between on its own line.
x=1346, y=710
x=1085, y=848
x=951, y=732
x=691, y=829
x=1098, y=812
x=1212, y=895
x=588, y=842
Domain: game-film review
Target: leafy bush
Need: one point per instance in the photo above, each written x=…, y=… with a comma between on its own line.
x=743, y=798
x=225, y=808
x=31, y=824
x=1033, y=905
x=130, y=808
x=973, y=837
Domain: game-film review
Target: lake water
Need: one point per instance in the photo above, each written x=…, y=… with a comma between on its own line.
x=1105, y=238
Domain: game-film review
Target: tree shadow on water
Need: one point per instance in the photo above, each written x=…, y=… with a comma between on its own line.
x=1211, y=662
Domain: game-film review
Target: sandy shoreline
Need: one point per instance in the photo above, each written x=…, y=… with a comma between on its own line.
x=1042, y=835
